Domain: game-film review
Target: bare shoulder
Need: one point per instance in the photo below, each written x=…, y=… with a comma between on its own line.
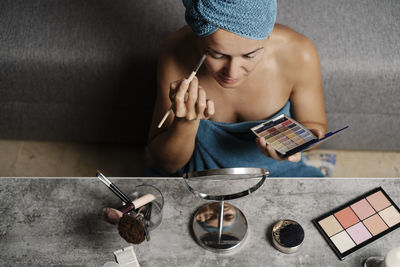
x=293, y=46
x=295, y=53
x=299, y=60
x=175, y=52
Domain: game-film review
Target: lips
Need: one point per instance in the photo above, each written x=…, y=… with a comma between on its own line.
x=227, y=80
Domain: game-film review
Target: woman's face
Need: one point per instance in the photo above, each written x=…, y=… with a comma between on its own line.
x=230, y=57
x=210, y=213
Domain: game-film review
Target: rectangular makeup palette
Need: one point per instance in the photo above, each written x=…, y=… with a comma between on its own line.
x=359, y=222
x=288, y=136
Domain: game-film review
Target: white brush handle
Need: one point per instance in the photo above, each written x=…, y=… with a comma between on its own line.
x=143, y=200
x=165, y=117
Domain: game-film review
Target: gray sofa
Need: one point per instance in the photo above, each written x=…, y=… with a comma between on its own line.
x=84, y=71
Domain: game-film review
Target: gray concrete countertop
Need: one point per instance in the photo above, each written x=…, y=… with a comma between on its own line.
x=57, y=222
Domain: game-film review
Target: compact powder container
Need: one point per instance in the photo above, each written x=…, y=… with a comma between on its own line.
x=287, y=236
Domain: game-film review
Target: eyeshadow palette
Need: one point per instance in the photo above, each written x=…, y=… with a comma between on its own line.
x=358, y=223
x=288, y=136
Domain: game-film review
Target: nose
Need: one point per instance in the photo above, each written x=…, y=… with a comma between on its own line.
x=232, y=68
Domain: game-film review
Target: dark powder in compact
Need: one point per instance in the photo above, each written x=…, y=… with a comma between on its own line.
x=131, y=229
x=291, y=235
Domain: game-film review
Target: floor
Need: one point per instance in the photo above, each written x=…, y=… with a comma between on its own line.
x=60, y=159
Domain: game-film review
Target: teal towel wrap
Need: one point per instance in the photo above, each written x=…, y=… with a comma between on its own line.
x=253, y=19
x=229, y=145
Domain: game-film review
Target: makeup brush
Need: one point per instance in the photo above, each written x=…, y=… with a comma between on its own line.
x=129, y=204
x=132, y=228
x=196, y=69
x=113, y=187
x=147, y=216
x=137, y=203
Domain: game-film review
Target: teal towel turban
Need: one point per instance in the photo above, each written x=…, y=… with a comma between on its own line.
x=253, y=19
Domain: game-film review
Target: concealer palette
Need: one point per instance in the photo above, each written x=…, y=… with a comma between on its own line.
x=359, y=222
x=288, y=136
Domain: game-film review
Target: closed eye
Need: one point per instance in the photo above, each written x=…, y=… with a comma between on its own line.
x=253, y=54
x=249, y=56
x=216, y=55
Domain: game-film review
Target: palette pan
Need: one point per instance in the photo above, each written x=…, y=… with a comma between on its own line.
x=359, y=222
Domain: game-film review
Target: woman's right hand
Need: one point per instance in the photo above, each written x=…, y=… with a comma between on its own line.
x=190, y=101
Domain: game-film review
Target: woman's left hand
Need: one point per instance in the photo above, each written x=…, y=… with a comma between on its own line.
x=269, y=151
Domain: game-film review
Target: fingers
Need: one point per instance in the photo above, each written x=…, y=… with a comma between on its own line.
x=318, y=133
x=179, y=99
x=262, y=144
x=193, y=92
x=190, y=100
x=201, y=103
x=295, y=157
x=273, y=154
x=210, y=110
x=269, y=151
x=205, y=106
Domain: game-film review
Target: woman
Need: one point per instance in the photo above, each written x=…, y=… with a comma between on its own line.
x=254, y=70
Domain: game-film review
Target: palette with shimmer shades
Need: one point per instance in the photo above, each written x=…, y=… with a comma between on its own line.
x=288, y=136
x=358, y=223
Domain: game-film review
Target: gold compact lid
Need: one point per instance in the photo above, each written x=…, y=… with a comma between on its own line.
x=287, y=236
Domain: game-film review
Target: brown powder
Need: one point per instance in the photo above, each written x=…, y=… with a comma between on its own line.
x=131, y=229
